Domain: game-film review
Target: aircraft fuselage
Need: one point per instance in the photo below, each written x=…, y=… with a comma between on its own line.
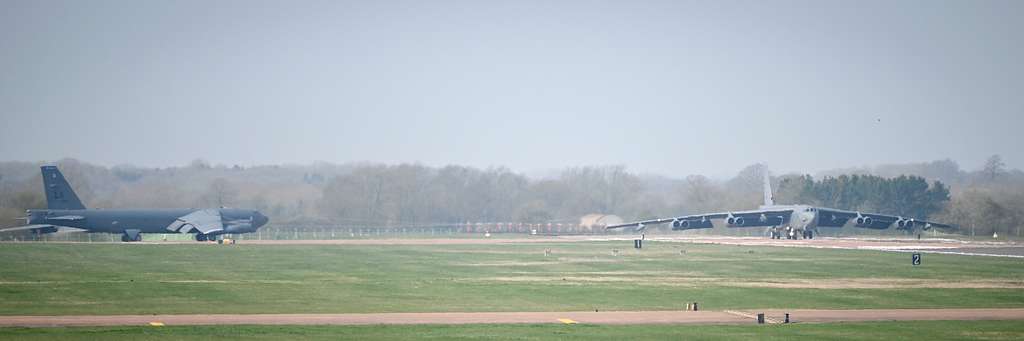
x=140, y=220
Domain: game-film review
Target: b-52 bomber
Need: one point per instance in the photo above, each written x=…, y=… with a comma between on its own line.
x=65, y=210
x=789, y=221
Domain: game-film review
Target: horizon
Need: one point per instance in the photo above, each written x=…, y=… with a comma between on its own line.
x=533, y=174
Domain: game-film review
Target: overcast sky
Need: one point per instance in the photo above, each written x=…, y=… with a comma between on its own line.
x=668, y=87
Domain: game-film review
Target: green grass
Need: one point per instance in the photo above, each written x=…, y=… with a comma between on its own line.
x=57, y=279
x=917, y=330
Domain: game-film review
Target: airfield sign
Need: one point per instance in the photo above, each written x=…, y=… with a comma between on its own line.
x=915, y=259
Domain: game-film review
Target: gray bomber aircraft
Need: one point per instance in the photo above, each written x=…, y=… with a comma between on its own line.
x=65, y=210
x=789, y=221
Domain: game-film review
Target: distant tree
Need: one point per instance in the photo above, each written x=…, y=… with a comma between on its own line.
x=701, y=195
x=796, y=189
x=200, y=164
x=28, y=200
x=994, y=166
x=222, y=193
x=910, y=196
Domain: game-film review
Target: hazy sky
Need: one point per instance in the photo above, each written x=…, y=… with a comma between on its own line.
x=669, y=87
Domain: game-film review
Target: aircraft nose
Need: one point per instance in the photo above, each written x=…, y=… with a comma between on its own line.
x=261, y=219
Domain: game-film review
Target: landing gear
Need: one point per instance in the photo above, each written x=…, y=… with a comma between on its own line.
x=790, y=233
x=206, y=237
x=131, y=237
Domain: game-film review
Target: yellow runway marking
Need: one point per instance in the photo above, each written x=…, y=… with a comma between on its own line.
x=156, y=324
x=567, y=321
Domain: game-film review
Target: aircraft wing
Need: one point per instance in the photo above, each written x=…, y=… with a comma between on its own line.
x=205, y=221
x=640, y=224
x=733, y=219
x=27, y=227
x=830, y=217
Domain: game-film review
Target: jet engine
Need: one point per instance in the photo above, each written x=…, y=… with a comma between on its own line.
x=681, y=224
x=905, y=224
x=734, y=221
x=863, y=221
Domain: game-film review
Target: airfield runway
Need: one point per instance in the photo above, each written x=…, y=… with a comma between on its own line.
x=947, y=246
x=610, y=317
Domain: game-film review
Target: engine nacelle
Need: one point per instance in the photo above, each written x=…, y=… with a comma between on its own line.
x=680, y=224
x=863, y=221
x=905, y=224
x=735, y=221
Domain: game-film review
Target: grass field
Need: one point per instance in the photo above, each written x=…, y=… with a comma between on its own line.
x=61, y=279
x=927, y=330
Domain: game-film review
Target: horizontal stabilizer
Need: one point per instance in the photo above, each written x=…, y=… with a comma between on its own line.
x=26, y=228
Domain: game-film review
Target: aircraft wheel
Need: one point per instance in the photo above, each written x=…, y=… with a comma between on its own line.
x=125, y=238
x=200, y=237
x=810, y=234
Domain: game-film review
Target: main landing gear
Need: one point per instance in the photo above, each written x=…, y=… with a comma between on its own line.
x=205, y=237
x=129, y=236
x=790, y=233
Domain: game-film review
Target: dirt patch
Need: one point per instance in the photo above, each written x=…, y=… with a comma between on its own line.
x=789, y=283
x=590, y=317
x=553, y=261
x=876, y=283
x=214, y=281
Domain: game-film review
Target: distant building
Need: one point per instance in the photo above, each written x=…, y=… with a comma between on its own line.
x=599, y=221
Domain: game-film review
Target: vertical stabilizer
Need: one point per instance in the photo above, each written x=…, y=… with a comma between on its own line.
x=59, y=195
x=769, y=199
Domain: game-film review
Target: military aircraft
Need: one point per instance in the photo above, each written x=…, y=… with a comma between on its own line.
x=65, y=210
x=789, y=221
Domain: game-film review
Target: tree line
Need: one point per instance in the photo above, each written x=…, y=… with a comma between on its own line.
x=909, y=196
x=986, y=200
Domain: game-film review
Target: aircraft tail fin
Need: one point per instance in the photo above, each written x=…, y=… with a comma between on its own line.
x=59, y=195
x=769, y=198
